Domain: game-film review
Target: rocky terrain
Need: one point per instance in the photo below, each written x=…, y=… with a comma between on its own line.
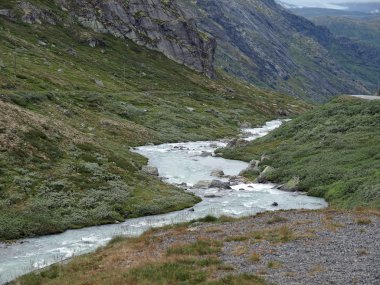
x=156, y=24
x=257, y=41
x=265, y=44
x=294, y=247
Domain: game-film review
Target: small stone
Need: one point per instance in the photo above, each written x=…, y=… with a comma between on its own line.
x=42, y=43
x=217, y=173
x=206, y=154
x=71, y=51
x=150, y=170
x=6, y=13
x=275, y=204
x=202, y=184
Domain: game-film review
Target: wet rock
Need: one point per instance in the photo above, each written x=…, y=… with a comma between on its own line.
x=263, y=177
x=192, y=210
x=203, y=184
x=217, y=173
x=275, y=204
x=236, y=180
x=253, y=168
x=212, y=196
x=213, y=145
x=220, y=184
x=206, y=154
x=237, y=143
x=292, y=185
x=150, y=170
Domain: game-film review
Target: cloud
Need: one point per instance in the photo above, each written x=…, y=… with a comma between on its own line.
x=332, y=4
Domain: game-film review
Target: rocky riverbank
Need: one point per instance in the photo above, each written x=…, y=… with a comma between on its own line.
x=292, y=247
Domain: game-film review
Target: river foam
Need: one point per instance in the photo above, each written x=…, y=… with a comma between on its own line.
x=177, y=163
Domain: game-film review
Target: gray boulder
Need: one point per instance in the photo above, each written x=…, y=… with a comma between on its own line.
x=253, y=168
x=217, y=173
x=220, y=184
x=6, y=13
x=263, y=177
x=150, y=170
x=237, y=143
x=292, y=185
x=206, y=154
x=203, y=184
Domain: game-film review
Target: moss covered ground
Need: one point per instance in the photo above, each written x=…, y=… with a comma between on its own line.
x=334, y=150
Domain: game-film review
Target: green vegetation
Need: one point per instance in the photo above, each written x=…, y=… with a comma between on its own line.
x=366, y=30
x=334, y=150
x=194, y=263
x=71, y=110
x=201, y=247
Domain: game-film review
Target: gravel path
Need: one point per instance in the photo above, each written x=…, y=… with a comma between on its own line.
x=317, y=247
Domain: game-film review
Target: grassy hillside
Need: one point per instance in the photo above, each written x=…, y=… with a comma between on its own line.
x=334, y=150
x=366, y=30
x=70, y=111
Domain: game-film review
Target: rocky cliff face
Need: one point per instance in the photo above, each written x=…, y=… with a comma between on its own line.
x=263, y=43
x=156, y=24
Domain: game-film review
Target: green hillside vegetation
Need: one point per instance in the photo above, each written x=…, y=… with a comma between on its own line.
x=366, y=30
x=70, y=113
x=334, y=150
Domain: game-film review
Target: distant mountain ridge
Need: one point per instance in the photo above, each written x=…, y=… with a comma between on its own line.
x=267, y=45
x=257, y=41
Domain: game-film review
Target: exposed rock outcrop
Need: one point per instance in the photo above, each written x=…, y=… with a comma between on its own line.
x=263, y=43
x=155, y=24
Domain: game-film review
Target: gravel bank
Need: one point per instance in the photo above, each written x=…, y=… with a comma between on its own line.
x=320, y=247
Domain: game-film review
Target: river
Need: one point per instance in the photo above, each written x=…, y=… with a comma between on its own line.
x=177, y=163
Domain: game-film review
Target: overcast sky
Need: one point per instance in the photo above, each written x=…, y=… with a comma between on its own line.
x=325, y=3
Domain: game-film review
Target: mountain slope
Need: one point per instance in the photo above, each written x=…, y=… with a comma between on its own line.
x=263, y=43
x=366, y=30
x=156, y=24
x=72, y=103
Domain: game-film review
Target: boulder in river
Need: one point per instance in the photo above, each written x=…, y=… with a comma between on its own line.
x=253, y=168
x=206, y=153
x=292, y=185
x=212, y=196
x=217, y=173
x=263, y=177
x=220, y=184
x=203, y=184
x=150, y=170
